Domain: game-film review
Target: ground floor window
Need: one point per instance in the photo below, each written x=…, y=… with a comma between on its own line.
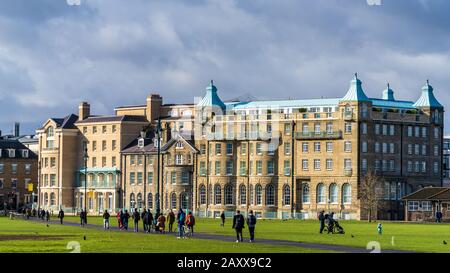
x=286, y=195
x=228, y=195
x=305, y=193
x=346, y=194
x=426, y=206
x=270, y=195
x=243, y=195
x=173, y=201
x=202, y=195
x=184, y=200
x=150, y=201
x=413, y=205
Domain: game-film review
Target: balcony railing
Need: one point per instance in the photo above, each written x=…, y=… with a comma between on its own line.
x=319, y=135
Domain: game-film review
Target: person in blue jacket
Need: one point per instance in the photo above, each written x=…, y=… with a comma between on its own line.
x=181, y=220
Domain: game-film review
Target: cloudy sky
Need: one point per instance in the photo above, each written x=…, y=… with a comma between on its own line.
x=114, y=52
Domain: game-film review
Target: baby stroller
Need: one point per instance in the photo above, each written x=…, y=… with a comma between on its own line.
x=332, y=226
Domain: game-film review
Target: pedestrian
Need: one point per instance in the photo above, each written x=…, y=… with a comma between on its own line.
x=190, y=222
x=144, y=217
x=181, y=221
x=106, y=216
x=82, y=218
x=85, y=217
x=150, y=221
x=222, y=217
x=438, y=216
x=136, y=217
x=251, y=222
x=34, y=212
x=238, y=225
x=171, y=219
x=47, y=216
x=119, y=219
x=126, y=216
x=161, y=223
x=322, y=221
x=330, y=223
x=379, y=228
x=61, y=216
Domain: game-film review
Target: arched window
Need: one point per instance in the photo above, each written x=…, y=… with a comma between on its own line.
x=184, y=200
x=81, y=203
x=150, y=201
x=45, y=199
x=210, y=195
x=270, y=195
x=252, y=195
x=242, y=195
x=173, y=201
x=50, y=132
x=52, y=199
x=132, y=201
x=202, y=195
x=346, y=194
x=228, y=195
x=305, y=193
x=321, y=197
x=258, y=193
x=100, y=201
x=333, y=193
x=50, y=137
x=286, y=195
x=217, y=195
x=139, y=201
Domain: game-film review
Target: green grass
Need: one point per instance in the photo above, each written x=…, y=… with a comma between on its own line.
x=420, y=237
x=29, y=236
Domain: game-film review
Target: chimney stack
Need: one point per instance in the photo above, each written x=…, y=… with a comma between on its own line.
x=84, y=110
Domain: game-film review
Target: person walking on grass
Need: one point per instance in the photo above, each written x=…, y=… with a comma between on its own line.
x=321, y=218
x=106, y=216
x=238, y=225
x=222, y=217
x=126, y=216
x=251, y=222
x=61, y=216
x=190, y=222
x=181, y=222
x=144, y=219
x=47, y=216
x=161, y=223
x=82, y=218
x=119, y=219
x=171, y=219
x=136, y=218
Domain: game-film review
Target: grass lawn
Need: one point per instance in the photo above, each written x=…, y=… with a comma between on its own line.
x=29, y=236
x=420, y=237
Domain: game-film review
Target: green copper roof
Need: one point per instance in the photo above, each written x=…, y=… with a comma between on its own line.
x=388, y=93
x=211, y=98
x=355, y=92
x=427, y=99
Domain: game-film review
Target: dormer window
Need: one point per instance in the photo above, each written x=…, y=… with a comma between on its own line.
x=12, y=153
x=179, y=144
x=141, y=143
x=25, y=153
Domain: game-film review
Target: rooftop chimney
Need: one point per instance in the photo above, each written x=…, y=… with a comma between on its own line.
x=84, y=110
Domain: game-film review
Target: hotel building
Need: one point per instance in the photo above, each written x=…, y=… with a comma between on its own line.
x=281, y=159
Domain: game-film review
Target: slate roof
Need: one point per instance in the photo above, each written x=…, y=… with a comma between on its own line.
x=67, y=122
x=92, y=119
x=16, y=145
x=429, y=193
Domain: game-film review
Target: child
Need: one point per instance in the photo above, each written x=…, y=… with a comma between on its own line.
x=380, y=229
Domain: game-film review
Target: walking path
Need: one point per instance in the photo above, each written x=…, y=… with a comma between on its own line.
x=225, y=238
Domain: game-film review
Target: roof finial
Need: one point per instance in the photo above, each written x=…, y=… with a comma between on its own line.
x=212, y=82
x=388, y=85
x=428, y=82
x=356, y=75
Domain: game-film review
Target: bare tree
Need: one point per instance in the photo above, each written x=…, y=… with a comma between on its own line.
x=371, y=192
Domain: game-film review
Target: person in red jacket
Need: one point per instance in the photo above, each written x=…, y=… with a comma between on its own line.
x=190, y=222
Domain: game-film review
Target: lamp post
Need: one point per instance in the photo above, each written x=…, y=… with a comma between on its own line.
x=158, y=139
x=85, y=158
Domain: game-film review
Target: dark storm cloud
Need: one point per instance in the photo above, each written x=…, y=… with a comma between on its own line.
x=113, y=52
